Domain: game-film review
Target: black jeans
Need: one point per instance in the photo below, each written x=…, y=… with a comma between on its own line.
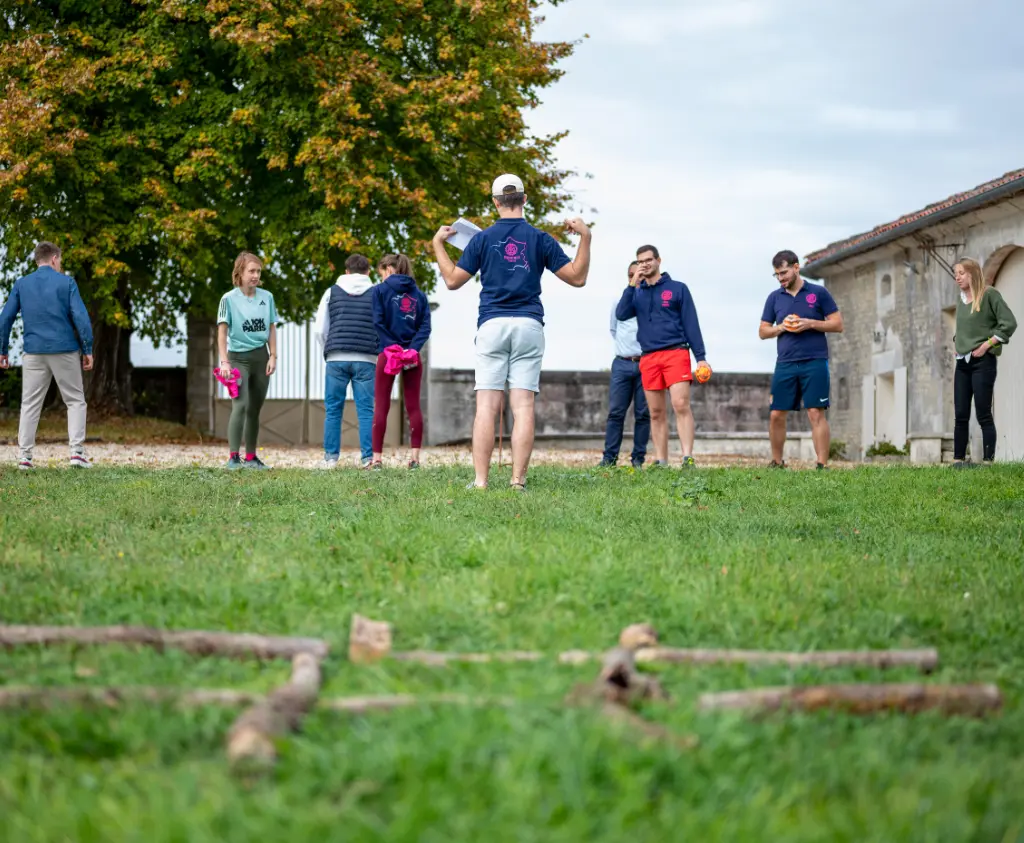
x=974, y=378
x=625, y=389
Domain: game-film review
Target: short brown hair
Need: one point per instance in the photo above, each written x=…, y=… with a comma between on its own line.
x=241, y=262
x=46, y=251
x=399, y=263
x=358, y=264
x=652, y=249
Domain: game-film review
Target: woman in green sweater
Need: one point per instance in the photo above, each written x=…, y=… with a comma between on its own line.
x=983, y=325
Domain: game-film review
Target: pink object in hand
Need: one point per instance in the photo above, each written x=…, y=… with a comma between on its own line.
x=230, y=384
x=397, y=358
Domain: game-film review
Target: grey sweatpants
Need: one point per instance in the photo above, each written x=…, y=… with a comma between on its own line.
x=36, y=372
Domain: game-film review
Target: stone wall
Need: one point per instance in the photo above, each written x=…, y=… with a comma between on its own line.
x=575, y=405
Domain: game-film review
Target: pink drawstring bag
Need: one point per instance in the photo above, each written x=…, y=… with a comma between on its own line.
x=397, y=358
x=230, y=384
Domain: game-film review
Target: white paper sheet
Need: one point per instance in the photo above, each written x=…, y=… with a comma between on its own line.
x=464, y=231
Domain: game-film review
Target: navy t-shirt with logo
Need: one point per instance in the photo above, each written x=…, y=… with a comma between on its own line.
x=812, y=302
x=511, y=257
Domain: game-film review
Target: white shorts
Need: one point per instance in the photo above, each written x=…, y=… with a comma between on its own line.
x=509, y=348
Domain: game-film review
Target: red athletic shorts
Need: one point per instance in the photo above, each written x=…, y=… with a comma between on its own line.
x=660, y=369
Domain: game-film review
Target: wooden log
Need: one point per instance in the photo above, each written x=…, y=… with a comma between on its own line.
x=618, y=682
x=389, y=702
x=368, y=641
x=43, y=697
x=440, y=659
x=199, y=643
x=254, y=733
x=971, y=700
x=634, y=723
x=925, y=660
x=638, y=635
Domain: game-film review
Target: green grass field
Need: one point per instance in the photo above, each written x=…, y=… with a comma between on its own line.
x=870, y=557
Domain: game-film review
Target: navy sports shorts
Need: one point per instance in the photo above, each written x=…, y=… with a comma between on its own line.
x=802, y=380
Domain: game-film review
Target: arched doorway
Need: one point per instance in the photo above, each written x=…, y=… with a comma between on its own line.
x=1009, y=398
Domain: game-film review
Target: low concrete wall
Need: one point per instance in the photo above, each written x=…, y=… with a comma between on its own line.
x=574, y=406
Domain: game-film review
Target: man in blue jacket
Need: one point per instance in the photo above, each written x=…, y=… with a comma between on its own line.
x=667, y=329
x=58, y=345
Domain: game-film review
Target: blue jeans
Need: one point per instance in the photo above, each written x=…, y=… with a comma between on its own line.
x=339, y=375
x=626, y=388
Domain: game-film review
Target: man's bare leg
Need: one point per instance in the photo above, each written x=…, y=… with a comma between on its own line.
x=777, y=433
x=680, y=396
x=488, y=404
x=659, y=423
x=522, y=403
x=820, y=433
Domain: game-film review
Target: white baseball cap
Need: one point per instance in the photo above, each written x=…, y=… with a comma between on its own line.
x=507, y=184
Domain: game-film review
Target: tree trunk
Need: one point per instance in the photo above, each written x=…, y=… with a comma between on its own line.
x=108, y=388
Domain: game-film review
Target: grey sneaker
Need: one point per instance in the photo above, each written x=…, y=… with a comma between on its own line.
x=659, y=464
x=328, y=463
x=79, y=461
x=256, y=464
x=233, y=464
x=366, y=462
x=688, y=462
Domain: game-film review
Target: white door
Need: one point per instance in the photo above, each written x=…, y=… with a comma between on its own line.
x=1009, y=398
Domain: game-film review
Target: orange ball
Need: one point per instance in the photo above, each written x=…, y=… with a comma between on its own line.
x=703, y=374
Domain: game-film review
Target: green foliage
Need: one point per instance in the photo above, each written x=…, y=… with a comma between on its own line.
x=778, y=560
x=10, y=388
x=837, y=450
x=154, y=140
x=887, y=449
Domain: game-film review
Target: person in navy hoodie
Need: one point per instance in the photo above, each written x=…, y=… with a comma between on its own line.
x=58, y=345
x=401, y=315
x=667, y=330
x=799, y=314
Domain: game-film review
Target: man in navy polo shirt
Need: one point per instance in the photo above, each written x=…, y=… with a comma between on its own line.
x=511, y=257
x=799, y=314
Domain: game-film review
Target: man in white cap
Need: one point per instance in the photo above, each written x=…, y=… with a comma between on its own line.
x=511, y=257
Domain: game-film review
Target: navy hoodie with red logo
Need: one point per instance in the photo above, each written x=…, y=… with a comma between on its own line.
x=666, y=316
x=401, y=313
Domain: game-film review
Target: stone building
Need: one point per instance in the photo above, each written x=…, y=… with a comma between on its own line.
x=892, y=367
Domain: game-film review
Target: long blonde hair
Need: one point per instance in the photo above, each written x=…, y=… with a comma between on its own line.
x=241, y=262
x=973, y=268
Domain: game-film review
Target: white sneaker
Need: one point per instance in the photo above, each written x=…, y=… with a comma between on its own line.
x=25, y=465
x=326, y=465
x=79, y=461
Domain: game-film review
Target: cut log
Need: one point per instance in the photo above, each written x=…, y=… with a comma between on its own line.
x=253, y=735
x=971, y=700
x=925, y=660
x=645, y=728
x=369, y=641
x=389, y=702
x=438, y=659
x=618, y=682
x=199, y=643
x=42, y=697
x=638, y=635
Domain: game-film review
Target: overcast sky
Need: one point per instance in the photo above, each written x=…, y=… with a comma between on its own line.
x=725, y=130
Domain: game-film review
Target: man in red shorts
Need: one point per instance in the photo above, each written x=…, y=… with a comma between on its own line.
x=667, y=330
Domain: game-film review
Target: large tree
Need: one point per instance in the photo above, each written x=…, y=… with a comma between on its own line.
x=154, y=139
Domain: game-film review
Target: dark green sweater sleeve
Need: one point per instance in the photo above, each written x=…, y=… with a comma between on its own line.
x=1005, y=322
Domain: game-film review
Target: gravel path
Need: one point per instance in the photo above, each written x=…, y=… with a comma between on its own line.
x=176, y=456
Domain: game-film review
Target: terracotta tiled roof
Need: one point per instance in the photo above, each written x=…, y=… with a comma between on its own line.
x=897, y=228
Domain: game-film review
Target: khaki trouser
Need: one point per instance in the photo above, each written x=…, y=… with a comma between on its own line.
x=36, y=372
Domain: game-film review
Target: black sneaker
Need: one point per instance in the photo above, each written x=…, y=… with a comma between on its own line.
x=605, y=463
x=963, y=464
x=774, y=464
x=821, y=467
x=637, y=463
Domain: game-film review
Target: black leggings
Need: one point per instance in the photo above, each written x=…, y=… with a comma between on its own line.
x=974, y=378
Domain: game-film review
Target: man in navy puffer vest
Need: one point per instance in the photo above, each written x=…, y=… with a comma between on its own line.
x=344, y=327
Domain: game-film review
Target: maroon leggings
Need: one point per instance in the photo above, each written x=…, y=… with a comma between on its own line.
x=382, y=384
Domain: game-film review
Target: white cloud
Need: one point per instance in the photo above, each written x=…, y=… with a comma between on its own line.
x=890, y=120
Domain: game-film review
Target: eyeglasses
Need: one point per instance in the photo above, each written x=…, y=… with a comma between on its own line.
x=782, y=272
x=642, y=261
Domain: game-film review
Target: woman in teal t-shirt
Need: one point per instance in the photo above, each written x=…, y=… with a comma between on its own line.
x=247, y=340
